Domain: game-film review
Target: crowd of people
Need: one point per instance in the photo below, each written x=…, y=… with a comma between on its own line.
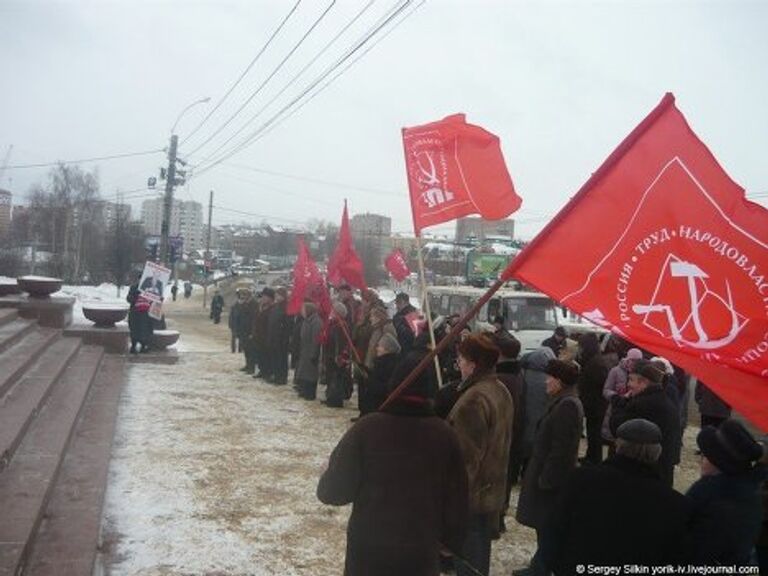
x=430, y=473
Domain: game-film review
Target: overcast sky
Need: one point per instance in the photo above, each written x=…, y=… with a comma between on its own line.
x=562, y=83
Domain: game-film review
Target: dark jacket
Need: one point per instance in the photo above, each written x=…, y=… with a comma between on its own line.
x=616, y=513
x=510, y=374
x=245, y=319
x=139, y=323
x=555, y=453
x=279, y=326
x=308, y=369
x=404, y=333
x=652, y=404
x=217, y=304
x=536, y=399
x=726, y=517
x=234, y=314
x=403, y=474
x=260, y=326
x=377, y=386
x=591, y=381
x=710, y=404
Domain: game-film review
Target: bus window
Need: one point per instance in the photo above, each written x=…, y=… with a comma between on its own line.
x=530, y=314
x=493, y=309
x=459, y=305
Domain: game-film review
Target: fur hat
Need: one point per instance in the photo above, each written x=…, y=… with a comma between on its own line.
x=424, y=386
x=647, y=370
x=508, y=345
x=566, y=371
x=639, y=431
x=731, y=448
x=480, y=350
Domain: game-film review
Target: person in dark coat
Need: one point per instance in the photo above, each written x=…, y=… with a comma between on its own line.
x=594, y=372
x=534, y=365
x=295, y=346
x=714, y=411
x=646, y=399
x=509, y=373
x=619, y=512
x=336, y=360
x=232, y=323
x=556, y=342
x=377, y=385
x=278, y=342
x=405, y=334
x=260, y=331
x=727, y=508
x=308, y=369
x=402, y=471
x=248, y=308
x=139, y=322
x=175, y=290
x=217, y=307
x=555, y=453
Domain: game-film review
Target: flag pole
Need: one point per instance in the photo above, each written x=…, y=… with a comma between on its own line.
x=425, y=298
x=444, y=343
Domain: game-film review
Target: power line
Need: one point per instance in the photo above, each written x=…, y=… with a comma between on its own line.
x=264, y=83
x=83, y=160
x=251, y=138
x=291, y=81
x=247, y=69
x=255, y=215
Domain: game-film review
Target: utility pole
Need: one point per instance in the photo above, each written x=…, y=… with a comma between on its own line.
x=207, y=249
x=170, y=182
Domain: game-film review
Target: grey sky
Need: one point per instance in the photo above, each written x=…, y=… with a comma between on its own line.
x=560, y=82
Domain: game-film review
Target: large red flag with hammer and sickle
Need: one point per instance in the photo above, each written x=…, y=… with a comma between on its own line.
x=456, y=169
x=662, y=247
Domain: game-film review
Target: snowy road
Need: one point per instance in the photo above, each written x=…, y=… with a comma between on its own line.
x=214, y=472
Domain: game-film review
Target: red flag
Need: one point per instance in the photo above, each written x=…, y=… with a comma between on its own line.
x=396, y=265
x=345, y=265
x=308, y=284
x=456, y=169
x=661, y=246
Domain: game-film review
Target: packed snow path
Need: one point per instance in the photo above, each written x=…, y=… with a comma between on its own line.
x=215, y=473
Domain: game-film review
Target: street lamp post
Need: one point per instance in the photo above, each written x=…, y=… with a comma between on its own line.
x=170, y=182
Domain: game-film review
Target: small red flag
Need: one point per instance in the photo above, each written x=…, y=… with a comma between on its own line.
x=345, y=265
x=669, y=254
x=308, y=284
x=396, y=265
x=456, y=169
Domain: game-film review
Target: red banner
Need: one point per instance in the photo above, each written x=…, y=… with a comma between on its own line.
x=344, y=264
x=396, y=265
x=456, y=169
x=308, y=284
x=661, y=246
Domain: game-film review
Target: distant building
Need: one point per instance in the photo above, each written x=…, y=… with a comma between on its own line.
x=186, y=221
x=5, y=212
x=370, y=225
x=476, y=229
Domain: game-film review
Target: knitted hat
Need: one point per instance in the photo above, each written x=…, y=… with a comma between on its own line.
x=731, y=448
x=564, y=370
x=639, y=431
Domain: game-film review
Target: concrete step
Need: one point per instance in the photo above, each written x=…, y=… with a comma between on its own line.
x=8, y=315
x=13, y=331
x=22, y=403
x=15, y=360
x=68, y=538
x=25, y=485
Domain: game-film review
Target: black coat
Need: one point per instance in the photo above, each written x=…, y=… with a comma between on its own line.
x=616, y=513
x=403, y=473
x=279, y=328
x=727, y=516
x=554, y=458
x=509, y=373
x=652, y=404
x=139, y=323
x=591, y=382
x=375, y=389
x=245, y=319
x=405, y=335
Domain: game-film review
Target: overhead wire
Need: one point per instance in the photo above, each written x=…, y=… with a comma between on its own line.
x=83, y=160
x=244, y=73
x=271, y=75
x=292, y=80
x=250, y=138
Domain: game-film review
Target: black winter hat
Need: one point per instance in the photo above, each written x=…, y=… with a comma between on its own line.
x=564, y=370
x=730, y=447
x=647, y=370
x=424, y=386
x=268, y=292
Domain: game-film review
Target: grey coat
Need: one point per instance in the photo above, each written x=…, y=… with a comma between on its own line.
x=308, y=369
x=554, y=458
x=535, y=382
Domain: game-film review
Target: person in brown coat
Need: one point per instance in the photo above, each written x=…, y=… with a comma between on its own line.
x=403, y=473
x=482, y=418
x=555, y=452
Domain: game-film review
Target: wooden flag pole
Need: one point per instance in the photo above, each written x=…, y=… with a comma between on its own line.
x=425, y=297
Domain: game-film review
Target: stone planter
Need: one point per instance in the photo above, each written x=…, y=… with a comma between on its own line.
x=9, y=288
x=161, y=339
x=105, y=315
x=39, y=286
